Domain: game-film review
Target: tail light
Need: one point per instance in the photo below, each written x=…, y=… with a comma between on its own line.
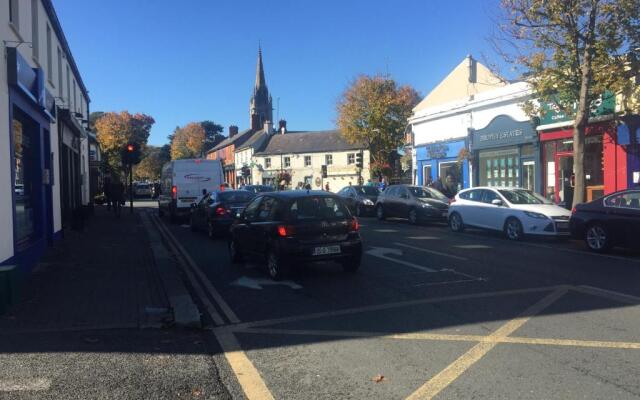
x=285, y=230
x=355, y=226
x=174, y=192
x=220, y=210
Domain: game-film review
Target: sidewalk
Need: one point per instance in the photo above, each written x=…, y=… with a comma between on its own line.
x=100, y=278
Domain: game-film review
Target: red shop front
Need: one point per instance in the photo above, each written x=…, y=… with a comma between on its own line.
x=605, y=162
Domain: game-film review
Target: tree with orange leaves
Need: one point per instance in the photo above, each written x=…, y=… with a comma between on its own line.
x=188, y=141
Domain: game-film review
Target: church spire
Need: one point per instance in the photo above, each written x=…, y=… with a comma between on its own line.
x=260, y=81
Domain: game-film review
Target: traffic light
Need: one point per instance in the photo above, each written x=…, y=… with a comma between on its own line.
x=324, y=171
x=359, y=162
x=131, y=154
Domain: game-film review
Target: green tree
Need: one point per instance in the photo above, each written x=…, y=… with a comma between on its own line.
x=150, y=167
x=213, y=134
x=374, y=111
x=188, y=141
x=572, y=51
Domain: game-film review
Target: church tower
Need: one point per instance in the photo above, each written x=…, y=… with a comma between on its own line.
x=260, y=107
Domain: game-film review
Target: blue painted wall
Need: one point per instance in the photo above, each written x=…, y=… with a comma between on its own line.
x=449, y=152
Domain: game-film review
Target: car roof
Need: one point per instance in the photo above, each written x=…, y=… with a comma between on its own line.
x=296, y=194
x=496, y=188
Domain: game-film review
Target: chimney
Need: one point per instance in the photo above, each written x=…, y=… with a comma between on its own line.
x=473, y=69
x=282, y=126
x=233, y=130
x=268, y=127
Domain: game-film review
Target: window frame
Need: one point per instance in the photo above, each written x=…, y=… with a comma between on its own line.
x=307, y=161
x=267, y=162
x=328, y=159
x=351, y=158
x=287, y=162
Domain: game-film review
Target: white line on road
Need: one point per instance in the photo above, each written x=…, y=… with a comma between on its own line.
x=386, y=230
x=381, y=251
x=610, y=294
x=24, y=385
x=423, y=237
x=472, y=246
x=431, y=251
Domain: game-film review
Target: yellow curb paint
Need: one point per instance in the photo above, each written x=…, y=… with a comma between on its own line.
x=248, y=376
x=443, y=379
x=572, y=343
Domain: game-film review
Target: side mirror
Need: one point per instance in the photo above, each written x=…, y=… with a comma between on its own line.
x=496, y=202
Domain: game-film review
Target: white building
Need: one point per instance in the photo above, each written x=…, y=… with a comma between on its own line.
x=468, y=100
x=302, y=156
x=244, y=163
x=44, y=103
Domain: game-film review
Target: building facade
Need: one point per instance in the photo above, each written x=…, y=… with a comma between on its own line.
x=299, y=157
x=44, y=106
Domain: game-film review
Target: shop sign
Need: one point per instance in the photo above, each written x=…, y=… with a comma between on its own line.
x=437, y=150
x=503, y=131
x=20, y=73
x=603, y=105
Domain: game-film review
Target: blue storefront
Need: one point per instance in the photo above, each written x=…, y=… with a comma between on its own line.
x=31, y=111
x=437, y=160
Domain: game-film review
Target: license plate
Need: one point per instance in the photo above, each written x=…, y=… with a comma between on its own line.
x=322, y=251
x=562, y=225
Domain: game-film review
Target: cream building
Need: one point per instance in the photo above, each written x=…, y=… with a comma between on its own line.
x=44, y=159
x=302, y=156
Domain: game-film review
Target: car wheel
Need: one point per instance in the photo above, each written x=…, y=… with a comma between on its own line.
x=234, y=252
x=597, y=238
x=210, y=229
x=455, y=222
x=413, y=216
x=380, y=212
x=351, y=264
x=513, y=229
x=277, y=268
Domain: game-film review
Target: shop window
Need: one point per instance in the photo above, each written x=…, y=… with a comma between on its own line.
x=499, y=168
x=427, y=179
x=26, y=178
x=529, y=175
x=550, y=165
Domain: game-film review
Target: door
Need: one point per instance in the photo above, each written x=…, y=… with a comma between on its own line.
x=427, y=178
x=626, y=217
x=529, y=175
x=245, y=232
x=471, y=207
x=402, y=204
x=564, y=179
x=490, y=215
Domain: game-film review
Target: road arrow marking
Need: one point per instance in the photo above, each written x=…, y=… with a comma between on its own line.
x=381, y=251
x=431, y=251
x=258, y=283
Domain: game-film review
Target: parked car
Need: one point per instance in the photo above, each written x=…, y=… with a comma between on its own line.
x=215, y=212
x=258, y=188
x=290, y=228
x=183, y=183
x=516, y=212
x=415, y=203
x=613, y=220
x=361, y=200
x=142, y=190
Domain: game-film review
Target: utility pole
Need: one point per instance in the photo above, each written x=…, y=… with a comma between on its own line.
x=131, y=188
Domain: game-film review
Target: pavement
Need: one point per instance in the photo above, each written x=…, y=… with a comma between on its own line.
x=95, y=321
x=430, y=314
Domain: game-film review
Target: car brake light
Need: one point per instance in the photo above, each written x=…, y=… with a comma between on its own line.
x=174, y=192
x=285, y=230
x=355, y=226
x=220, y=210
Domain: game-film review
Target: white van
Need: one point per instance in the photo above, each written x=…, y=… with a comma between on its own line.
x=183, y=181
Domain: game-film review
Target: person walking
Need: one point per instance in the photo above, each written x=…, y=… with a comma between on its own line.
x=117, y=194
x=326, y=187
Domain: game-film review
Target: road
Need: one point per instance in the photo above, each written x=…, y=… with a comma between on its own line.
x=430, y=314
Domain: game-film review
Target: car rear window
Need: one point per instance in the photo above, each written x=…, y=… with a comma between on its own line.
x=368, y=190
x=235, y=197
x=309, y=208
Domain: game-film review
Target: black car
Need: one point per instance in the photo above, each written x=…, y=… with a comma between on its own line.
x=287, y=229
x=215, y=211
x=613, y=220
x=415, y=203
x=361, y=200
x=258, y=188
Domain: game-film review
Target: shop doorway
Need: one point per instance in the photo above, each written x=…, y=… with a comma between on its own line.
x=427, y=178
x=564, y=179
x=529, y=175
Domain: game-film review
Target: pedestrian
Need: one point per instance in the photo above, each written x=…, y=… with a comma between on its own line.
x=326, y=187
x=307, y=186
x=369, y=182
x=117, y=194
x=383, y=184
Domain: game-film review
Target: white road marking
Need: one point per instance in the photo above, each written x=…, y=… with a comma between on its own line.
x=385, y=230
x=381, y=251
x=609, y=294
x=423, y=237
x=185, y=226
x=431, y=251
x=258, y=283
x=24, y=385
x=472, y=246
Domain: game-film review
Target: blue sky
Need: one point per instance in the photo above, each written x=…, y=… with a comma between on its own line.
x=191, y=60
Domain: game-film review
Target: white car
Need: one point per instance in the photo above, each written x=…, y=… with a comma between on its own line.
x=516, y=212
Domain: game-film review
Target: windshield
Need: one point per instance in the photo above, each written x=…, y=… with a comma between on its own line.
x=367, y=190
x=426, y=193
x=522, y=196
x=317, y=208
x=235, y=197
